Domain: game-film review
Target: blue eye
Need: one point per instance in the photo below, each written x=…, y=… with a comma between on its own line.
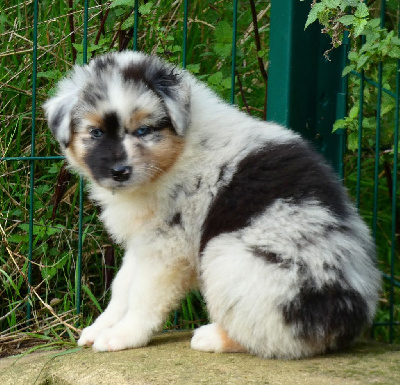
x=96, y=133
x=143, y=131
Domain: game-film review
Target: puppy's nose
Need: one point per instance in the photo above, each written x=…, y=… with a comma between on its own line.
x=121, y=173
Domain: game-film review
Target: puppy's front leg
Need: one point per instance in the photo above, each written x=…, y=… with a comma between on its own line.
x=156, y=286
x=117, y=307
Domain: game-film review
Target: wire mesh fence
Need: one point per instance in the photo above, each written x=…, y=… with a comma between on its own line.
x=54, y=252
x=374, y=137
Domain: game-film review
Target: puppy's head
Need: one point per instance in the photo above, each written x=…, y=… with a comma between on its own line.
x=121, y=120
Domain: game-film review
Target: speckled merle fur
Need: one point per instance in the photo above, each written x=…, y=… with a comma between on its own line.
x=212, y=198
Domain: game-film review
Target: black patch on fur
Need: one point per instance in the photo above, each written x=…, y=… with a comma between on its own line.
x=111, y=124
x=291, y=171
x=267, y=255
x=92, y=97
x=107, y=151
x=101, y=63
x=329, y=314
x=222, y=172
x=176, y=220
x=56, y=119
x=163, y=123
x=160, y=78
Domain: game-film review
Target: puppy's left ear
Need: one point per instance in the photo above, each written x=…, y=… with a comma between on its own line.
x=174, y=89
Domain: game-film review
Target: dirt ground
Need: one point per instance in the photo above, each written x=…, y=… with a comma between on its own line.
x=169, y=360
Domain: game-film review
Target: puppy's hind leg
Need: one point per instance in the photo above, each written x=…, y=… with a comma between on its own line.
x=212, y=338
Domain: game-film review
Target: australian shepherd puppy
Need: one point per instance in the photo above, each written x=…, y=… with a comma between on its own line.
x=199, y=193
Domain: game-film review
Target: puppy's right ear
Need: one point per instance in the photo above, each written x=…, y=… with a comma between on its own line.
x=59, y=107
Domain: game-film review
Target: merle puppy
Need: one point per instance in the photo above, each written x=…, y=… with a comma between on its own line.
x=199, y=193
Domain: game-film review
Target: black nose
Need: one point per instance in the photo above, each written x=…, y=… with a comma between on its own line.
x=121, y=173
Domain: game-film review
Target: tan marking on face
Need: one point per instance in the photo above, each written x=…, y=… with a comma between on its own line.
x=165, y=154
x=138, y=118
x=75, y=152
x=229, y=345
x=95, y=120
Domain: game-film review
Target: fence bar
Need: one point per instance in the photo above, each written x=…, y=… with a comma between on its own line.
x=32, y=161
x=341, y=105
x=185, y=20
x=135, y=25
x=26, y=158
x=234, y=33
x=375, y=84
x=81, y=186
x=360, y=133
x=378, y=134
x=394, y=200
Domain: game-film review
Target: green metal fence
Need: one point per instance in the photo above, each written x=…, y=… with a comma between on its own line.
x=305, y=92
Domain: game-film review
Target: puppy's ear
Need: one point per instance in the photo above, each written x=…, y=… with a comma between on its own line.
x=173, y=87
x=59, y=107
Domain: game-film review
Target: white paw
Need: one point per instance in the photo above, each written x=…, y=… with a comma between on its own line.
x=207, y=339
x=114, y=339
x=89, y=335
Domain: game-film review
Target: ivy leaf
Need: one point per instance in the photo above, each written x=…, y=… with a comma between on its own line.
x=359, y=25
x=347, y=20
x=353, y=113
x=362, y=11
x=363, y=59
x=347, y=69
x=314, y=13
x=339, y=124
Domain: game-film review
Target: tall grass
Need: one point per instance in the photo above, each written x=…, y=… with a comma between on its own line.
x=56, y=193
x=55, y=235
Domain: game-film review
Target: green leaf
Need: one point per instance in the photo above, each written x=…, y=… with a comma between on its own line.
x=194, y=68
x=215, y=79
x=117, y=3
x=362, y=11
x=223, y=33
x=129, y=22
x=359, y=25
x=339, y=124
x=314, y=13
x=353, y=56
x=53, y=74
x=347, y=69
x=145, y=9
x=223, y=50
x=353, y=113
x=347, y=20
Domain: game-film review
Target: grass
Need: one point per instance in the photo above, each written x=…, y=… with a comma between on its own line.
x=56, y=193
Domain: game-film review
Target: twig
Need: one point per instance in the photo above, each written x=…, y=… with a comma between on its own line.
x=72, y=28
x=258, y=49
x=243, y=94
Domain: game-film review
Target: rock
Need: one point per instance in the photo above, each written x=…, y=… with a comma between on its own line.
x=169, y=360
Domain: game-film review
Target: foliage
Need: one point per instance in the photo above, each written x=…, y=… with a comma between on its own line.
x=373, y=72
x=56, y=193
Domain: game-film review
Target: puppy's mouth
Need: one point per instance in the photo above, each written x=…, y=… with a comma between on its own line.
x=117, y=177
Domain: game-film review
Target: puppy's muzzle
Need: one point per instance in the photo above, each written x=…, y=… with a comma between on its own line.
x=121, y=173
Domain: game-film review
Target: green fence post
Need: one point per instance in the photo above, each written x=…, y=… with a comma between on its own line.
x=303, y=86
